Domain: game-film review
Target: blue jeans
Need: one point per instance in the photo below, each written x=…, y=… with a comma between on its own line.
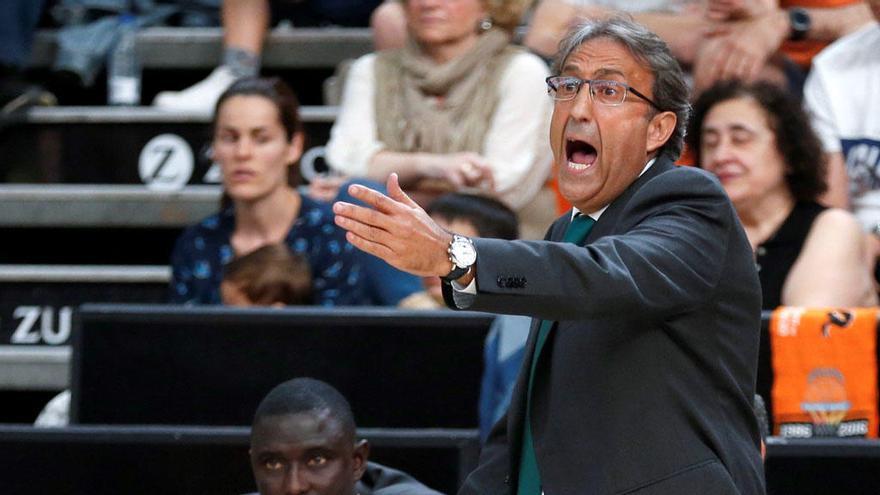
x=18, y=21
x=503, y=356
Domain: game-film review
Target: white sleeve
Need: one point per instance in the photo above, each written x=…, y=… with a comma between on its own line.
x=353, y=137
x=821, y=112
x=517, y=143
x=463, y=295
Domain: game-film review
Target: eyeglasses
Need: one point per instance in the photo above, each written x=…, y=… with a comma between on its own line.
x=612, y=93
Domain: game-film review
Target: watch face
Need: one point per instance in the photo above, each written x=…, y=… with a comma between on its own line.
x=463, y=252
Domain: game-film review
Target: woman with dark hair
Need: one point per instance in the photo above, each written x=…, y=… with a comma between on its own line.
x=257, y=142
x=757, y=139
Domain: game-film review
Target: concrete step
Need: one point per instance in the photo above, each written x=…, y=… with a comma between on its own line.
x=32, y=367
x=37, y=305
x=84, y=274
x=63, y=205
x=63, y=224
x=310, y=114
x=201, y=48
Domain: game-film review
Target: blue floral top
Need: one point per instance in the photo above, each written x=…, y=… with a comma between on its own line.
x=203, y=249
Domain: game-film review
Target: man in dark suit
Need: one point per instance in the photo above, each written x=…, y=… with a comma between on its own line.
x=641, y=361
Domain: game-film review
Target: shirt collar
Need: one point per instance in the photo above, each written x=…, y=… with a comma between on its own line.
x=598, y=213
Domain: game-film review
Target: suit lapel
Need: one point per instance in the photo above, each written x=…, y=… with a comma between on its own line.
x=516, y=410
x=557, y=230
x=555, y=233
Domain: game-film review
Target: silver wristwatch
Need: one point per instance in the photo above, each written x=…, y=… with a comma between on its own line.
x=462, y=254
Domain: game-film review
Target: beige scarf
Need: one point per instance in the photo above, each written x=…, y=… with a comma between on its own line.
x=422, y=106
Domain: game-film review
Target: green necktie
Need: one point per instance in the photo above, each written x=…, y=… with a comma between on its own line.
x=529, y=477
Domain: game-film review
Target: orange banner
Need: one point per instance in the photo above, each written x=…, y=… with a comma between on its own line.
x=824, y=372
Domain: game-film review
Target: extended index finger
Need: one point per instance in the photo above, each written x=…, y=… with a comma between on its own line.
x=363, y=215
x=375, y=199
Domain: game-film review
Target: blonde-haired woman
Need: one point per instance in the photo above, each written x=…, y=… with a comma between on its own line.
x=457, y=107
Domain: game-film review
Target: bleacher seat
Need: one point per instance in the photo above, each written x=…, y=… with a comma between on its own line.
x=176, y=48
x=97, y=224
x=125, y=145
x=822, y=466
x=37, y=305
x=37, y=301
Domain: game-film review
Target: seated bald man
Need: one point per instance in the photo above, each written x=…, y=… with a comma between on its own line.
x=303, y=441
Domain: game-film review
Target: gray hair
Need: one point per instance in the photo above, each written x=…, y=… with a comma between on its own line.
x=670, y=89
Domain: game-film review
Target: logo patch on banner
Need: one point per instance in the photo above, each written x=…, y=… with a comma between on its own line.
x=824, y=372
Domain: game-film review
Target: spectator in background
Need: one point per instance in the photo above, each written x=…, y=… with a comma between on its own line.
x=389, y=25
x=304, y=440
x=245, y=24
x=458, y=108
x=719, y=39
x=803, y=27
x=18, y=22
x=715, y=39
x=750, y=34
x=757, y=139
x=258, y=139
x=269, y=276
x=679, y=23
x=841, y=95
x=479, y=216
x=90, y=29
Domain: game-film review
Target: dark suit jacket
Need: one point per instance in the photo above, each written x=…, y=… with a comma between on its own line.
x=645, y=386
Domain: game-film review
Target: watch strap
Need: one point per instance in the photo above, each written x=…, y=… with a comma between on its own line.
x=799, y=23
x=456, y=273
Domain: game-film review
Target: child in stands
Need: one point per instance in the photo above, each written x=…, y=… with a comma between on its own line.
x=270, y=276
